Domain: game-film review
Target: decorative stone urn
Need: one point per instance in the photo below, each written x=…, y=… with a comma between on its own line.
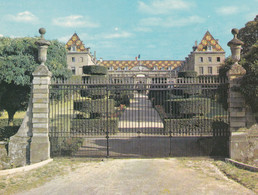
x=42, y=47
x=235, y=46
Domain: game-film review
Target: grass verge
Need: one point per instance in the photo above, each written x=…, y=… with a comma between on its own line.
x=24, y=181
x=246, y=178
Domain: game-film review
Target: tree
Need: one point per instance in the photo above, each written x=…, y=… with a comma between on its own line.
x=18, y=60
x=249, y=83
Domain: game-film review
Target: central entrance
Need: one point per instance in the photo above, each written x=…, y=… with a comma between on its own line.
x=139, y=117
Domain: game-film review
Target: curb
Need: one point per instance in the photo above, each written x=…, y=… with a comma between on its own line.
x=25, y=168
x=242, y=165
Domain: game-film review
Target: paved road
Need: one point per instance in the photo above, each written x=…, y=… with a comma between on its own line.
x=142, y=176
x=140, y=116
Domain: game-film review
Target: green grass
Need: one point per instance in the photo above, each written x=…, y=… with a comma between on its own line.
x=246, y=178
x=27, y=180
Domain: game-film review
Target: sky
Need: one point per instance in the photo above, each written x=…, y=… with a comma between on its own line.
x=123, y=29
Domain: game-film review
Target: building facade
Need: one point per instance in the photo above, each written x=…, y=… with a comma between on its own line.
x=206, y=57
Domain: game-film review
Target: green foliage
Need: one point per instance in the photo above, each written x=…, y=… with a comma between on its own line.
x=7, y=131
x=193, y=126
x=187, y=107
x=94, y=126
x=187, y=74
x=95, y=106
x=18, y=60
x=60, y=146
x=95, y=70
x=249, y=35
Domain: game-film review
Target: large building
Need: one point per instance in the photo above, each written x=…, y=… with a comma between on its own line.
x=206, y=57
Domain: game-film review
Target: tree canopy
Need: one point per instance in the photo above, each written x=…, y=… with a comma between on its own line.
x=18, y=60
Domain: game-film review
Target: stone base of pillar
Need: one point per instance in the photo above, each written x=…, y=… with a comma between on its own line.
x=39, y=149
x=19, y=151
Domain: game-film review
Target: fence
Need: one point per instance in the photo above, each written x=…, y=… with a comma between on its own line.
x=119, y=116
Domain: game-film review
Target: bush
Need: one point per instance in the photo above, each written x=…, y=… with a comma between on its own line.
x=95, y=70
x=95, y=79
x=94, y=126
x=95, y=106
x=187, y=74
x=8, y=131
x=187, y=107
x=60, y=146
x=94, y=93
x=188, y=126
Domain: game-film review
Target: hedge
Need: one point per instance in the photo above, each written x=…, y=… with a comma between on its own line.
x=94, y=126
x=94, y=93
x=95, y=70
x=60, y=146
x=187, y=74
x=188, y=106
x=188, y=126
x=8, y=131
x=95, y=106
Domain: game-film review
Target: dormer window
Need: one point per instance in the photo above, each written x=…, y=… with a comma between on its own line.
x=73, y=48
x=209, y=48
x=110, y=68
x=155, y=68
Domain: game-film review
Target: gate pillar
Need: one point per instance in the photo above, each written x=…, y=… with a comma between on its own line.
x=40, y=145
x=236, y=102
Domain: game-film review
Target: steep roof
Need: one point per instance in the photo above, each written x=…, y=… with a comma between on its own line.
x=148, y=63
x=208, y=40
x=75, y=41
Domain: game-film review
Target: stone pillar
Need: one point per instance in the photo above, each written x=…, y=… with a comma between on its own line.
x=236, y=102
x=40, y=145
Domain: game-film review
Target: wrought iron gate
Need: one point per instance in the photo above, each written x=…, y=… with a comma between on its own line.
x=120, y=117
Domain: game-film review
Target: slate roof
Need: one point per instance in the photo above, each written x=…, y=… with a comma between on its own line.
x=208, y=40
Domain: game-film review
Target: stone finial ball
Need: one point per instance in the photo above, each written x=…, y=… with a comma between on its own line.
x=42, y=31
x=234, y=31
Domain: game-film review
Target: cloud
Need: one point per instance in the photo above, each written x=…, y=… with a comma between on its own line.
x=23, y=17
x=163, y=6
x=170, y=21
x=227, y=10
x=74, y=21
x=118, y=35
x=1, y=35
x=142, y=29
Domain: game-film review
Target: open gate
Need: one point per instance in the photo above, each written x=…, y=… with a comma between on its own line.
x=124, y=117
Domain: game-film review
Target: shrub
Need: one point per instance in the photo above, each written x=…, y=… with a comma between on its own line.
x=95, y=70
x=94, y=126
x=187, y=74
x=60, y=146
x=8, y=131
x=95, y=106
x=188, y=126
x=187, y=107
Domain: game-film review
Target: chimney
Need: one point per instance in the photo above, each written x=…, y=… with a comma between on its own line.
x=195, y=44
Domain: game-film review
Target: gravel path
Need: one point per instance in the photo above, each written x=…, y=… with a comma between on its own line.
x=142, y=176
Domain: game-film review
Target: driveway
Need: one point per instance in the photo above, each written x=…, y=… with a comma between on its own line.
x=143, y=176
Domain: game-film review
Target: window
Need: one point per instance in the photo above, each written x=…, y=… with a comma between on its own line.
x=73, y=59
x=73, y=70
x=209, y=70
x=201, y=59
x=73, y=48
x=201, y=70
x=118, y=68
x=218, y=70
x=81, y=59
x=155, y=68
x=218, y=59
x=209, y=48
x=210, y=59
x=126, y=68
x=110, y=68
